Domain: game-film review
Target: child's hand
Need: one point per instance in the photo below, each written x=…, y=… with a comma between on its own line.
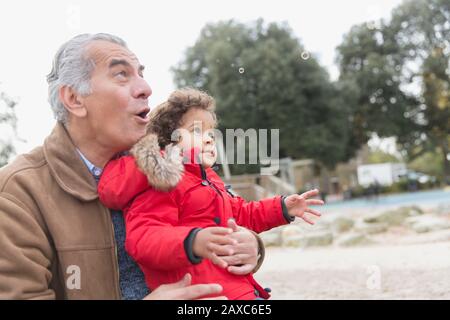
x=212, y=242
x=297, y=205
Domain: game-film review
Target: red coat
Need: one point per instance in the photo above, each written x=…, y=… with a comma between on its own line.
x=158, y=222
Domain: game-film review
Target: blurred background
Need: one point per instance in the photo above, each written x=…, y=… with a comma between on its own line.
x=360, y=91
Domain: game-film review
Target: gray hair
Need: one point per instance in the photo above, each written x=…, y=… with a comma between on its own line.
x=72, y=68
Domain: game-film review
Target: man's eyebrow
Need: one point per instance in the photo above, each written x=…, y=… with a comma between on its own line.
x=115, y=62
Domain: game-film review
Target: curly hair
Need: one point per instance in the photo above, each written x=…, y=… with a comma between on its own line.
x=166, y=117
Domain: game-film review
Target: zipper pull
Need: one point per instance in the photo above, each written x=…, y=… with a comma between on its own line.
x=204, y=179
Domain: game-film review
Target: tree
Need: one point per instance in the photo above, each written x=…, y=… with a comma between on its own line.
x=397, y=78
x=8, y=120
x=263, y=78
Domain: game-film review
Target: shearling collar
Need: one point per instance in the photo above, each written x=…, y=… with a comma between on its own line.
x=164, y=169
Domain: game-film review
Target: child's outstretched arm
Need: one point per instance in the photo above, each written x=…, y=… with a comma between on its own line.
x=260, y=215
x=268, y=213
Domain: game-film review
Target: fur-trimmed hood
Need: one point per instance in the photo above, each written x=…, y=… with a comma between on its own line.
x=164, y=169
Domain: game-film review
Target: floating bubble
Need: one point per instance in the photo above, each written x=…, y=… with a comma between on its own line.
x=232, y=65
x=241, y=70
x=305, y=55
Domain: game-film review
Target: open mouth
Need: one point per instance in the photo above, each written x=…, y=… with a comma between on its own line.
x=143, y=113
x=210, y=153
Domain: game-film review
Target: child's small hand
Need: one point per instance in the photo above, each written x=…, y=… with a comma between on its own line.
x=212, y=242
x=297, y=205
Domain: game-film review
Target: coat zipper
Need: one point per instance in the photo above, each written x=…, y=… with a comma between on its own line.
x=206, y=182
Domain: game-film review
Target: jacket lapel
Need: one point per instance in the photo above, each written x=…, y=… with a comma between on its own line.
x=67, y=167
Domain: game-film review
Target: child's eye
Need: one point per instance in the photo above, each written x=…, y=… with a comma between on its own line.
x=197, y=130
x=211, y=135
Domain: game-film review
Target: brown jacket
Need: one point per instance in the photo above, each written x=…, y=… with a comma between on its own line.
x=53, y=228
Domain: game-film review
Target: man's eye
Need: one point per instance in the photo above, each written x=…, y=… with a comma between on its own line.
x=121, y=73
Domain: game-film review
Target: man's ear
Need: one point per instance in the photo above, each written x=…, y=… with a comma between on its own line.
x=72, y=101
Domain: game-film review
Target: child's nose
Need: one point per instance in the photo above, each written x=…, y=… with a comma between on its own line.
x=208, y=139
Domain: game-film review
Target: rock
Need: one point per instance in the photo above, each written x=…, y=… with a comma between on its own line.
x=443, y=209
x=271, y=239
x=428, y=223
x=353, y=239
x=371, y=228
x=321, y=238
x=291, y=230
x=393, y=217
x=310, y=239
x=289, y=235
x=342, y=224
x=414, y=211
x=293, y=241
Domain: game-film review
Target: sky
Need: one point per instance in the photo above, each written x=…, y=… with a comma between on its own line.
x=157, y=32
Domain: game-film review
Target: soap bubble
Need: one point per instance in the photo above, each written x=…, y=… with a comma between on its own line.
x=305, y=55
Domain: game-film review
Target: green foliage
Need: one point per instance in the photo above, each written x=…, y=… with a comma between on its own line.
x=397, y=77
x=379, y=156
x=429, y=163
x=8, y=120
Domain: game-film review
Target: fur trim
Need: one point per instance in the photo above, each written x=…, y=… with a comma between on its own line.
x=163, y=171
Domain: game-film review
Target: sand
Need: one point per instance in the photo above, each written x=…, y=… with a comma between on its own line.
x=402, y=270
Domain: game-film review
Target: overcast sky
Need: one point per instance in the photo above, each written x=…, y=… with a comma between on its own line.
x=157, y=31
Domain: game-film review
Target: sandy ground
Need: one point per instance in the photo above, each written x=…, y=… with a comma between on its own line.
x=404, y=270
x=400, y=264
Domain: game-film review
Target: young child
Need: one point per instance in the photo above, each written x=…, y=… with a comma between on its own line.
x=176, y=214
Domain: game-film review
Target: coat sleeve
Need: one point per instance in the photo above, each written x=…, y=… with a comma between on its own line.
x=153, y=237
x=260, y=215
x=25, y=255
x=120, y=182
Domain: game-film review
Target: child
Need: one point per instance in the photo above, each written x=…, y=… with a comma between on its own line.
x=176, y=215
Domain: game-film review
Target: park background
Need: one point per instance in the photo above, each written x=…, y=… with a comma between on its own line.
x=360, y=91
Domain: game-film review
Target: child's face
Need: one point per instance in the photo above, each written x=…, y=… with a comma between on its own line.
x=197, y=131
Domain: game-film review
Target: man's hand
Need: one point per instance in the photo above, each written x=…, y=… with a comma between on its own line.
x=244, y=257
x=212, y=242
x=297, y=205
x=183, y=290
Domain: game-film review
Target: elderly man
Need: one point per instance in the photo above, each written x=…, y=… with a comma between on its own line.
x=57, y=240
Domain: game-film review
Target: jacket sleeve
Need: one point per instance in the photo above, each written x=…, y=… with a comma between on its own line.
x=25, y=255
x=120, y=182
x=260, y=215
x=153, y=237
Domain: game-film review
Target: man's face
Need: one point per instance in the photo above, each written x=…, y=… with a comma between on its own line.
x=117, y=108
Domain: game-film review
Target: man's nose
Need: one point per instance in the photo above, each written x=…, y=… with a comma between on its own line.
x=141, y=89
